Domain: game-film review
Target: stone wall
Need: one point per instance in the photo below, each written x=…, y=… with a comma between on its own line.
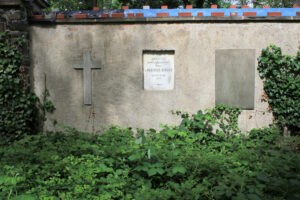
x=118, y=95
x=60, y=44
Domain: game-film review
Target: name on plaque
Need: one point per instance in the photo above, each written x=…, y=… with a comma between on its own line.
x=158, y=71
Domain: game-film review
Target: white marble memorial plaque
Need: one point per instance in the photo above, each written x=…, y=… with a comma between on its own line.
x=158, y=71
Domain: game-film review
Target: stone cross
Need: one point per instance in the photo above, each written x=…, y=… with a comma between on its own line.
x=87, y=76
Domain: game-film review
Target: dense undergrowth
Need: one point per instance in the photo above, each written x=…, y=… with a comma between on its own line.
x=187, y=161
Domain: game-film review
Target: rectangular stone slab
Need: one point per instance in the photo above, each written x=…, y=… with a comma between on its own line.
x=235, y=77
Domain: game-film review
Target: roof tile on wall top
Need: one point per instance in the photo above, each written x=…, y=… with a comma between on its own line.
x=274, y=14
x=80, y=16
x=217, y=14
x=249, y=13
x=60, y=16
x=185, y=14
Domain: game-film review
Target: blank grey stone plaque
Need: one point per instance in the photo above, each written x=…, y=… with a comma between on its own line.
x=235, y=77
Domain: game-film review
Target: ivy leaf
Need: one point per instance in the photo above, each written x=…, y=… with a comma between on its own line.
x=152, y=172
x=179, y=169
x=134, y=157
x=160, y=171
x=17, y=81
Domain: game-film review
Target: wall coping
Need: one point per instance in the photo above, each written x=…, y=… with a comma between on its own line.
x=171, y=15
x=238, y=19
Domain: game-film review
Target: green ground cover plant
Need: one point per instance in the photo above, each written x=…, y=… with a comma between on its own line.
x=191, y=160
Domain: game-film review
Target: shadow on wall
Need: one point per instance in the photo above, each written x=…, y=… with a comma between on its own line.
x=57, y=58
x=46, y=61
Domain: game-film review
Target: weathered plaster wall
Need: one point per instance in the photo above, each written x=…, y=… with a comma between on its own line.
x=118, y=94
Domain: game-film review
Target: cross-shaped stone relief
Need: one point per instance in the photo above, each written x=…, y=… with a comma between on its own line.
x=87, y=76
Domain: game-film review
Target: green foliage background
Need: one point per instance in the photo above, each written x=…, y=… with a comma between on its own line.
x=274, y=3
x=117, y=4
x=68, y=4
